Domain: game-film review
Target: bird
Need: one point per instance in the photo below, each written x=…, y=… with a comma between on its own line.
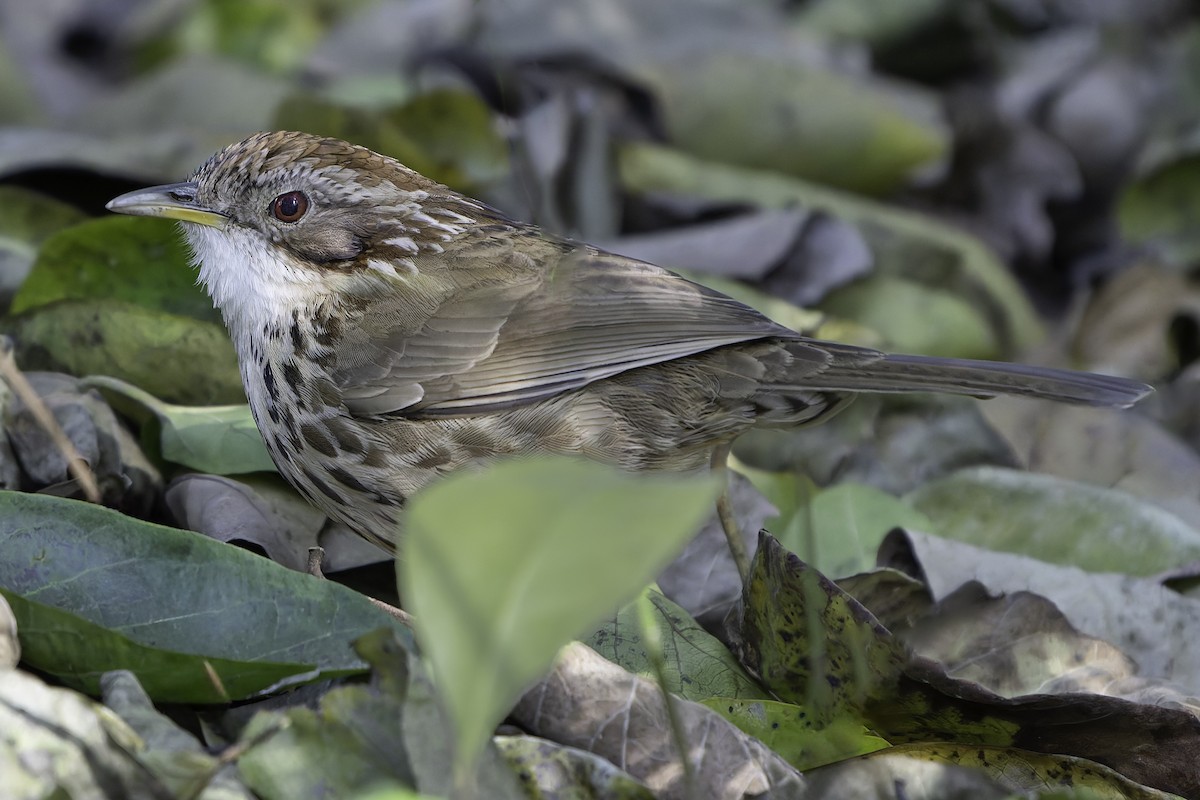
x=391, y=331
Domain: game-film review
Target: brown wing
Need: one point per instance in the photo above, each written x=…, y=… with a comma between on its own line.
x=571, y=316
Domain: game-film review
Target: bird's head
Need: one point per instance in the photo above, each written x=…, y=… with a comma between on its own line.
x=283, y=218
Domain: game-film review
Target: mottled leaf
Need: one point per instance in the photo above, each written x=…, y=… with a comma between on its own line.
x=810, y=642
x=794, y=630
x=551, y=771
x=182, y=359
x=787, y=729
x=59, y=744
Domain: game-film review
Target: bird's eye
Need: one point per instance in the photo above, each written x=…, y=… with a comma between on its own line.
x=290, y=206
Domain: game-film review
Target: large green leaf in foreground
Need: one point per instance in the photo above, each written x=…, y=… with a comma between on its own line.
x=195, y=619
x=503, y=567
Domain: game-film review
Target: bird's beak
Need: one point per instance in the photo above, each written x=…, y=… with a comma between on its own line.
x=172, y=201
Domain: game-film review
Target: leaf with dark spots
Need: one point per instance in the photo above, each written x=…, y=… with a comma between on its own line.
x=1152, y=745
x=907, y=698
x=810, y=642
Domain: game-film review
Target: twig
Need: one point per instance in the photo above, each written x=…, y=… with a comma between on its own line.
x=76, y=465
x=725, y=513
x=316, y=557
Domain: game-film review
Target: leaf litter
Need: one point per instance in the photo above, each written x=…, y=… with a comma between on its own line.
x=967, y=181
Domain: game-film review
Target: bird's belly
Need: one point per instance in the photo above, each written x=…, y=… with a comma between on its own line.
x=359, y=470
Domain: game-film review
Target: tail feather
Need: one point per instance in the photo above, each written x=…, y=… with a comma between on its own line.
x=905, y=373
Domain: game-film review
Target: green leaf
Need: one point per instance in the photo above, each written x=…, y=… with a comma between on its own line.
x=849, y=522
x=502, y=567
x=29, y=219
x=789, y=731
x=179, y=358
x=142, y=261
x=697, y=665
x=836, y=530
x=781, y=114
x=916, y=318
x=1160, y=209
x=94, y=590
x=222, y=440
x=1056, y=520
x=446, y=135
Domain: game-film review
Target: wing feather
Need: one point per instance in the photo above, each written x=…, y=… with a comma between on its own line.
x=575, y=316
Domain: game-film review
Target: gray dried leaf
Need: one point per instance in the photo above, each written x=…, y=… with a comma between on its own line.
x=345, y=549
x=89, y=424
x=749, y=246
x=260, y=510
x=590, y=703
x=1014, y=644
x=1146, y=620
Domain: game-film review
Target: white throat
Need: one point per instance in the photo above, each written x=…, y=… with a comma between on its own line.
x=247, y=280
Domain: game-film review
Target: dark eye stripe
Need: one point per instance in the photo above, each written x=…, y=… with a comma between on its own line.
x=289, y=206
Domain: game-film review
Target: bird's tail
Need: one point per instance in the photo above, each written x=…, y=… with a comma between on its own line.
x=849, y=371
